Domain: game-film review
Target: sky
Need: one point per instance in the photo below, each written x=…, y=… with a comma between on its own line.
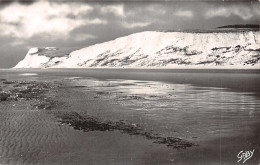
x=62, y=23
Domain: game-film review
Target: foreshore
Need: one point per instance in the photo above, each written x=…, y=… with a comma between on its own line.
x=40, y=123
x=124, y=117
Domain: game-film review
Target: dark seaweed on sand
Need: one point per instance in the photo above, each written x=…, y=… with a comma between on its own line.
x=28, y=90
x=4, y=96
x=89, y=123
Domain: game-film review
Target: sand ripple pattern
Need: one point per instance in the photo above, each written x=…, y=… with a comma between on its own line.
x=28, y=136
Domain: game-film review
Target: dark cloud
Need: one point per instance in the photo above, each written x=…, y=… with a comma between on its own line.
x=19, y=1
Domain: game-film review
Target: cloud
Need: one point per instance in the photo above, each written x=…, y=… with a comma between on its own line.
x=117, y=10
x=17, y=43
x=130, y=14
x=26, y=21
x=135, y=25
x=184, y=13
x=156, y=9
x=148, y=11
x=243, y=12
x=83, y=37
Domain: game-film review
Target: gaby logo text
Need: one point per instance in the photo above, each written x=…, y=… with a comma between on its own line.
x=245, y=155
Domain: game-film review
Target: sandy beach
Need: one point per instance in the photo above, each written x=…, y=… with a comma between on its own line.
x=84, y=120
x=39, y=128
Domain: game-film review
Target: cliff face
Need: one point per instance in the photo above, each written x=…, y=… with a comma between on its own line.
x=156, y=49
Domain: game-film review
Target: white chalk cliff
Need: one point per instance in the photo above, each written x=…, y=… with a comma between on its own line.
x=156, y=49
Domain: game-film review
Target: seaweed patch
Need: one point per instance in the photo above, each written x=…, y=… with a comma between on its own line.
x=89, y=123
x=28, y=90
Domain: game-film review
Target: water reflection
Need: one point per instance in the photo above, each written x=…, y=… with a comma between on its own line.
x=202, y=110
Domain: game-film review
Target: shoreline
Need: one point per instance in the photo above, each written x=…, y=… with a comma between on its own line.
x=195, y=69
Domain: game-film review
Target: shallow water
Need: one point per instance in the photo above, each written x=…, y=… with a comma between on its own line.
x=219, y=110
x=205, y=110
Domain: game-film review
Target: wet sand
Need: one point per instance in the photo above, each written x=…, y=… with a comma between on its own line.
x=61, y=122
x=222, y=148
x=40, y=129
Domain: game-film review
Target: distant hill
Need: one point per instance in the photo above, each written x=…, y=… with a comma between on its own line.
x=246, y=26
